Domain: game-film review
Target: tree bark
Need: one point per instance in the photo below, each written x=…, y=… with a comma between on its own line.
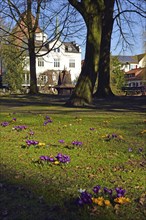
x=31, y=47
x=104, y=89
x=32, y=61
x=83, y=92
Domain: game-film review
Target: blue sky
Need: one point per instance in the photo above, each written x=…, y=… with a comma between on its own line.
x=135, y=36
x=137, y=42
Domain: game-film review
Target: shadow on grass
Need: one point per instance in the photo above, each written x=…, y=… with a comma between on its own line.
x=115, y=104
x=18, y=202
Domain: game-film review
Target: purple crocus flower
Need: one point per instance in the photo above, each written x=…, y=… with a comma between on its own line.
x=92, y=129
x=120, y=192
x=63, y=158
x=79, y=202
x=96, y=189
x=47, y=117
x=51, y=159
x=4, y=124
x=140, y=149
x=13, y=119
x=114, y=135
x=86, y=198
x=42, y=157
x=130, y=149
x=61, y=141
x=31, y=142
x=47, y=158
x=108, y=191
x=77, y=143
x=47, y=121
x=20, y=127
x=31, y=133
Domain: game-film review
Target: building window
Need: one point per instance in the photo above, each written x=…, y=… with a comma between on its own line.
x=57, y=50
x=70, y=48
x=72, y=63
x=56, y=63
x=40, y=62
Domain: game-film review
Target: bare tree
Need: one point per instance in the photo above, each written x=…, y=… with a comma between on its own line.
x=91, y=12
x=99, y=17
x=24, y=18
x=103, y=88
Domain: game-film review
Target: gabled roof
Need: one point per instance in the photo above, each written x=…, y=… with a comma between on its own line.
x=127, y=59
x=139, y=73
x=71, y=47
x=135, y=71
x=130, y=59
x=140, y=56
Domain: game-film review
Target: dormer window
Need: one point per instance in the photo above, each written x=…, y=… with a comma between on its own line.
x=69, y=48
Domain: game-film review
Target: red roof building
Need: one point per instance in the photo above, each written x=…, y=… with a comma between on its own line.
x=136, y=77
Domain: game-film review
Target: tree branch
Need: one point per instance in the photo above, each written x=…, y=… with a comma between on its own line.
x=77, y=5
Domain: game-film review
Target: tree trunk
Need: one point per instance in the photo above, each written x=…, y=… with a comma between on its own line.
x=32, y=60
x=104, y=89
x=83, y=92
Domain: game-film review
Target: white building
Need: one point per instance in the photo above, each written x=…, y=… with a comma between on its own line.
x=134, y=68
x=62, y=55
x=132, y=62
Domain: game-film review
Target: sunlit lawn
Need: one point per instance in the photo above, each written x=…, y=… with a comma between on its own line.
x=36, y=189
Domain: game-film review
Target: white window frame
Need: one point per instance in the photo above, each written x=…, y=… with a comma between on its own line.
x=40, y=61
x=56, y=62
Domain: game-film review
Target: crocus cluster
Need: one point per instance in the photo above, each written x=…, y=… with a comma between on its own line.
x=85, y=198
x=59, y=158
x=96, y=189
x=121, y=200
x=107, y=191
x=113, y=136
x=103, y=197
x=100, y=201
x=19, y=127
x=4, y=123
x=120, y=192
x=32, y=142
x=63, y=158
x=140, y=150
x=47, y=158
x=77, y=143
x=47, y=120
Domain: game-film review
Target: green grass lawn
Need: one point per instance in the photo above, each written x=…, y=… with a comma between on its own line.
x=35, y=189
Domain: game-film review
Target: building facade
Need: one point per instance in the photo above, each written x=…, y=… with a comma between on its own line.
x=61, y=56
x=132, y=62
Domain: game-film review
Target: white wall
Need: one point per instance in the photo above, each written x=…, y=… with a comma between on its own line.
x=142, y=62
x=64, y=58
